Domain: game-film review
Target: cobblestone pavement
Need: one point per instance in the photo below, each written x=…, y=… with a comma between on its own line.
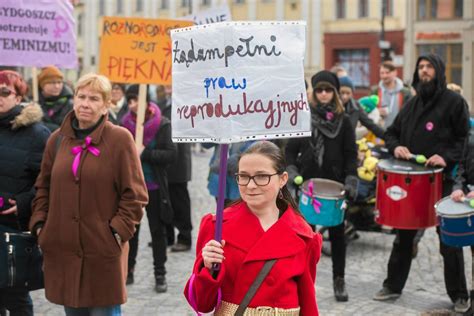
x=367, y=258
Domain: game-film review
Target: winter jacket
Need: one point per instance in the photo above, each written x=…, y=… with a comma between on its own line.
x=356, y=114
x=55, y=109
x=339, y=160
x=439, y=126
x=22, y=141
x=84, y=265
x=290, y=282
x=160, y=154
x=180, y=170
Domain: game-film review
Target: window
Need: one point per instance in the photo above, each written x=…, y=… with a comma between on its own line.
x=185, y=3
x=101, y=7
x=80, y=22
x=206, y=2
x=165, y=4
x=452, y=56
x=387, y=5
x=356, y=62
x=239, y=1
x=363, y=8
x=139, y=7
x=340, y=9
x=440, y=9
x=119, y=6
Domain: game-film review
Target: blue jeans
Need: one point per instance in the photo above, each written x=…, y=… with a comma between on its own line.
x=113, y=310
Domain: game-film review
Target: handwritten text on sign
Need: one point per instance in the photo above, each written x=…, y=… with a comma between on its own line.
x=239, y=80
x=37, y=33
x=137, y=50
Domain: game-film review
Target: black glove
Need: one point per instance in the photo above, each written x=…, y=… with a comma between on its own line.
x=350, y=187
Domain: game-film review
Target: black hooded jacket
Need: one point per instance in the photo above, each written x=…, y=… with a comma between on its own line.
x=439, y=125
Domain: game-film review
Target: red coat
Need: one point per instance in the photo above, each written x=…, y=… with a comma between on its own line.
x=289, y=284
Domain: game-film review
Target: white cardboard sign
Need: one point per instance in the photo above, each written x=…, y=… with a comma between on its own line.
x=238, y=81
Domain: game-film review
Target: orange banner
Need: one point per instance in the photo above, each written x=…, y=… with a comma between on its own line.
x=134, y=50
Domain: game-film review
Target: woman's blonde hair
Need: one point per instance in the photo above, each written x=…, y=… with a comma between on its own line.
x=98, y=83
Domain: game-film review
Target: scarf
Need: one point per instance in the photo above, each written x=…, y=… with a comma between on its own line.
x=151, y=125
x=326, y=123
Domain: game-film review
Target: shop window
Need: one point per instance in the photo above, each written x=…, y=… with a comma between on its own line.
x=341, y=9
x=356, y=62
x=165, y=4
x=451, y=55
x=119, y=6
x=440, y=9
x=363, y=8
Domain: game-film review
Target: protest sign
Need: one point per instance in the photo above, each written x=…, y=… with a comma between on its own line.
x=213, y=15
x=238, y=81
x=37, y=33
x=135, y=50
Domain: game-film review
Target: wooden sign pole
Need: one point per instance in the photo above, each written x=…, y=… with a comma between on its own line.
x=142, y=105
x=34, y=74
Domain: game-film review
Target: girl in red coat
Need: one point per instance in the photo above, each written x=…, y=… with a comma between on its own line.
x=265, y=224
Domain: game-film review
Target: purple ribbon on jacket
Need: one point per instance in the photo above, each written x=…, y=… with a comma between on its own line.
x=192, y=299
x=77, y=151
x=1, y=202
x=314, y=201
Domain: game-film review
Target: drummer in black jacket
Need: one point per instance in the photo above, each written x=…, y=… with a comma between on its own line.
x=435, y=124
x=329, y=153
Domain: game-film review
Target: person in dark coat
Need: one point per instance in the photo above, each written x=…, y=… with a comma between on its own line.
x=330, y=153
x=353, y=109
x=157, y=153
x=22, y=141
x=55, y=97
x=434, y=123
x=119, y=105
x=179, y=174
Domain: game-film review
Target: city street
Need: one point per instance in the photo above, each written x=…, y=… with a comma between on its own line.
x=366, y=268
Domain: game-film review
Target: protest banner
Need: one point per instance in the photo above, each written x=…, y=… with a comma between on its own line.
x=37, y=33
x=215, y=14
x=238, y=81
x=135, y=50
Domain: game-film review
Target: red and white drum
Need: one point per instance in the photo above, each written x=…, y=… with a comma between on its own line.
x=407, y=193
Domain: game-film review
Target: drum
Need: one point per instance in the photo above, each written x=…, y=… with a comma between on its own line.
x=456, y=222
x=322, y=202
x=406, y=194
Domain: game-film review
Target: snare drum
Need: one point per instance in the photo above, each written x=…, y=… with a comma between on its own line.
x=456, y=222
x=322, y=202
x=406, y=194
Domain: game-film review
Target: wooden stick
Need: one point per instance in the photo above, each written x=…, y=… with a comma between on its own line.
x=34, y=74
x=142, y=105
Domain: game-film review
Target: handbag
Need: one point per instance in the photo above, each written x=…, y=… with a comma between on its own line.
x=21, y=260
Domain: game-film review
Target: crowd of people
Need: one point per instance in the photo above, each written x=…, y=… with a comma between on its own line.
x=71, y=173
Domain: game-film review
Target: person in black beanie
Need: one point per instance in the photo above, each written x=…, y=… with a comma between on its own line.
x=330, y=153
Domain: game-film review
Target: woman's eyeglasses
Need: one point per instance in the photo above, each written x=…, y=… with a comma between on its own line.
x=259, y=179
x=327, y=90
x=5, y=92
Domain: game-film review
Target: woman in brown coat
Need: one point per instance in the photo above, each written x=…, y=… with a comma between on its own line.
x=90, y=195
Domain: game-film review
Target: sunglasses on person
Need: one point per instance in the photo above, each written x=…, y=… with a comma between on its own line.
x=327, y=90
x=5, y=92
x=259, y=179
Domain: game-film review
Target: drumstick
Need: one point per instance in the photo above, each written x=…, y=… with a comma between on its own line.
x=421, y=159
x=468, y=202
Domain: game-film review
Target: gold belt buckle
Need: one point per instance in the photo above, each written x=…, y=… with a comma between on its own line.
x=267, y=309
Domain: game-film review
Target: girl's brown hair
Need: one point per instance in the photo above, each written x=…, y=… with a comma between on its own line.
x=335, y=98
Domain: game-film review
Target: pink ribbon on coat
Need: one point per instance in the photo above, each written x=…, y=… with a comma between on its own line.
x=1, y=202
x=192, y=299
x=77, y=151
x=316, y=204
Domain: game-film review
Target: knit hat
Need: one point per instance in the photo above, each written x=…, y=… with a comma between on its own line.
x=346, y=82
x=132, y=92
x=48, y=74
x=369, y=103
x=327, y=77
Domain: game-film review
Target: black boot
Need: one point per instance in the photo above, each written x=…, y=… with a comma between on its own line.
x=130, y=278
x=161, y=286
x=340, y=289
